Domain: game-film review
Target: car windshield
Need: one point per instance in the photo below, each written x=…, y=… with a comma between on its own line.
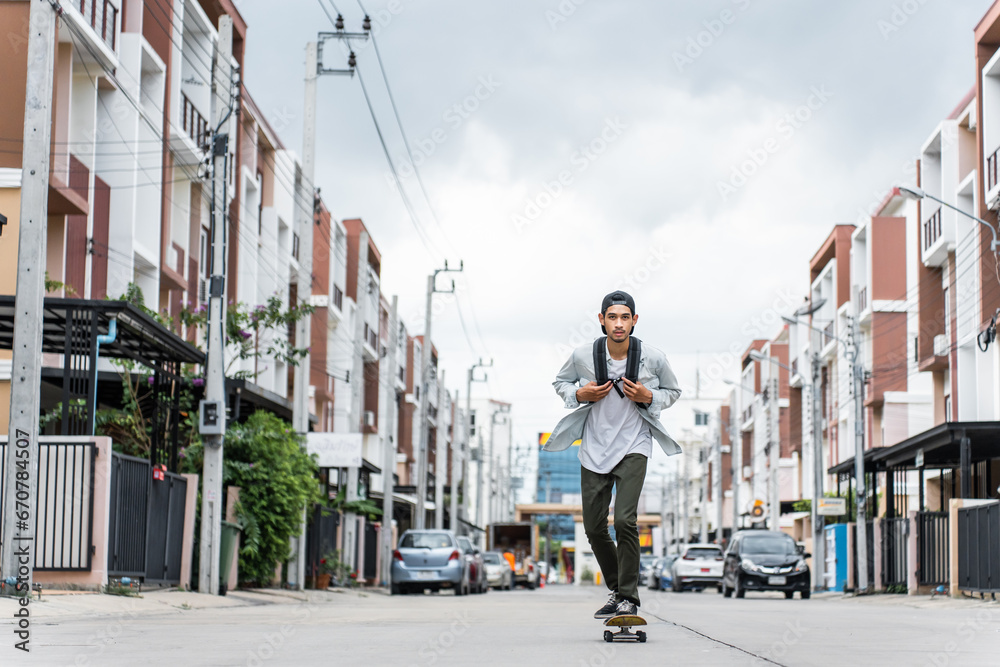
x=465, y=543
x=703, y=552
x=426, y=541
x=768, y=544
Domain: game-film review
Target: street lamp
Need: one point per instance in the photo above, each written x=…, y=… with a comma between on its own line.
x=917, y=194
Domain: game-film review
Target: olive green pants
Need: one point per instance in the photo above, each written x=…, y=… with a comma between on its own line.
x=619, y=565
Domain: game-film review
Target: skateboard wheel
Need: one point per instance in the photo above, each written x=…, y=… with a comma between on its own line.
x=642, y=636
x=608, y=637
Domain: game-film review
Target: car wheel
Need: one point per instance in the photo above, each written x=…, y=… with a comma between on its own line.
x=718, y=589
x=726, y=591
x=676, y=586
x=805, y=594
x=394, y=589
x=739, y=590
x=789, y=595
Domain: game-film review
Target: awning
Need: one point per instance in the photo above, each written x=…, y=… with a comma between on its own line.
x=846, y=466
x=940, y=447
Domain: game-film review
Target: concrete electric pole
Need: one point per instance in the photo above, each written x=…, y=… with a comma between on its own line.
x=389, y=443
x=455, y=473
x=425, y=381
x=853, y=354
x=440, y=455
x=21, y=471
x=213, y=408
x=468, y=426
x=819, y=534
x=774, y=421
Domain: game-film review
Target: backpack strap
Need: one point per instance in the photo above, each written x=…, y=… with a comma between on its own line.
x=634, y=356
x=601, y=359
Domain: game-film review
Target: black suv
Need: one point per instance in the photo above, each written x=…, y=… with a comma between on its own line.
x=765, y=560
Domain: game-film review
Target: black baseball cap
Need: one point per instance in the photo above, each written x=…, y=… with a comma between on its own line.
x=617, y=299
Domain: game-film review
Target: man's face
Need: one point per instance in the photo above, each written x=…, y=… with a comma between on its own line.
x=618, y=321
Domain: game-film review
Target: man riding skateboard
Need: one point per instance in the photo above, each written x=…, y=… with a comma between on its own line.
x=619, y=387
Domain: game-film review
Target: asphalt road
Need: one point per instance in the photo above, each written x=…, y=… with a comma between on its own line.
x=552, y=626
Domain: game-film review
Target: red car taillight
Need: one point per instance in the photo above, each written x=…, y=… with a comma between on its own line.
x=688, y=558
x=396, y=555
x=454, y=555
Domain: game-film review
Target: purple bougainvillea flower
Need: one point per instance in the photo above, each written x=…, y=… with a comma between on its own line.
x=151, y=379
x=245, y=335
x=198, y=382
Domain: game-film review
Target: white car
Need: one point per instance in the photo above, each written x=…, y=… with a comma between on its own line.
x=699, y=566
x=498, y=572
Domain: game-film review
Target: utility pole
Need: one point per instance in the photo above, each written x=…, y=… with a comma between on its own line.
x=21, y=471
x=389, y=442
x=703, y=532
x=736, y=459
x=468, y=424
x=717, y=485
x=455, y=473
x=440, y=456
x=853, y=354
x=304, y=215
x=425, y=383
x=493, y=478
x=215, y=381
x=663, y=516
x=686, y=523
x=819, y=534
x=774, y=421
x=480, y=505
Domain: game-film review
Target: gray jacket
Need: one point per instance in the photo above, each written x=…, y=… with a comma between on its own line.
x=654, y=373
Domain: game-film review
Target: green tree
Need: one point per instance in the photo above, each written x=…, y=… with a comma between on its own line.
x=265, y=458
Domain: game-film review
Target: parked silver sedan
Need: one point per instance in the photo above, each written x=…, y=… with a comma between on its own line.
x=498, y=572
x=429, y=559
x=477, y=569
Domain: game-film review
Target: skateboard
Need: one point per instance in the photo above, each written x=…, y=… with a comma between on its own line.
x=624, y=624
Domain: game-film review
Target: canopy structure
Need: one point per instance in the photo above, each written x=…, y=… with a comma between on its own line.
x=71, y=328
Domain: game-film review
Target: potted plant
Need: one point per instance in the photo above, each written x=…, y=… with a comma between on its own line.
x=326, y=565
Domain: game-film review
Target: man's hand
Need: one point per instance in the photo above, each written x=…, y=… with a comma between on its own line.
x=637, y=392
x=593, y=392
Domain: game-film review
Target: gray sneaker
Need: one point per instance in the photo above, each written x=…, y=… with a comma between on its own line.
x=608, y=610
x=626, y=608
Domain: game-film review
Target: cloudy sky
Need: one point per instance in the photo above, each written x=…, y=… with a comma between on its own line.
x=694, y=153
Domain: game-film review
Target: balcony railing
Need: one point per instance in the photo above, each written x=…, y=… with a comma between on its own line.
x=103, y=18
x=991, y=170
x=862, y=299
x=932, y=229
x=194, y=124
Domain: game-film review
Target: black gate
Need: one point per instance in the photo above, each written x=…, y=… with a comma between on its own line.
x=165, y=536
x=871, y=552
x=64, y=510
x=933, y=557
x=894, y=534
x=979, y=548
x=128, y=516
x=371, y=551
x=146, y=526
x=321, y=537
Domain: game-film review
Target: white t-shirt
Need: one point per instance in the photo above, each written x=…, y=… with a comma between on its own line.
x=614, y=429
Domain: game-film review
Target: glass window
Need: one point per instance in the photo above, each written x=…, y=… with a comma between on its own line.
x=703, y=552
x=426, y=541
x=767, y=544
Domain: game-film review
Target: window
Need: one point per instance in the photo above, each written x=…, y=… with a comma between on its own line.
x=701, y=419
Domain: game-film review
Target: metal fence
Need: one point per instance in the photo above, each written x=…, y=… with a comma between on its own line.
x=64, y=512
x=933, y=554
x=129, y=515
x=979, y=548
x=165, y=534
x=321, y=537
x=894, y=534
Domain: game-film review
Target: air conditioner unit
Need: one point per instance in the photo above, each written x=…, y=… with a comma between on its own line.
x=369, y=418
x=940, y=346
